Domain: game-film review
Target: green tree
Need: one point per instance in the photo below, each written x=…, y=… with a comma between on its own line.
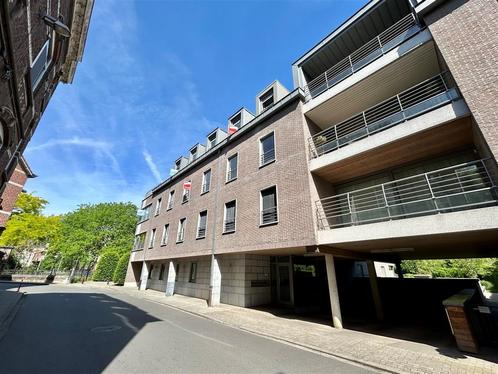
x=454, y=268
x=29, y=204
x=93, y=229
x=121, y=268
x=106, y=266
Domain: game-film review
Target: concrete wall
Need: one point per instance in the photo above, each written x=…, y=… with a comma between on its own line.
x=466, y=34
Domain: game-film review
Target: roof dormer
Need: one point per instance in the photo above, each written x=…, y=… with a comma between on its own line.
x=215, y=137
x=196, y=151
x=180, y=163
x=239, y=119
x=269, y=96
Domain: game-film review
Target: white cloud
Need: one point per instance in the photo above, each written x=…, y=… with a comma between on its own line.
x=152, y=166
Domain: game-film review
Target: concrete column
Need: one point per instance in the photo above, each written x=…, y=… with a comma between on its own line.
x=214, y=283
x=170, y=281
x=375, y=290
x=333, y=292
x=144, y=276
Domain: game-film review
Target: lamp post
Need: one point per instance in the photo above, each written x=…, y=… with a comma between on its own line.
x=57, y=25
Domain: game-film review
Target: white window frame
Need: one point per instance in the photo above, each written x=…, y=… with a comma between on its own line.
x=171, y=200
x=261, y=101
x=178, y=231
x=225, y=217
x=209, y=141
x=187, y=193
x=197, y=236
x=260, y=142
x=165, y=236
x=158, y=206
x=228, y=167
x=261, y=206
x=152, y=238
x=204, y=181
x=49, y=48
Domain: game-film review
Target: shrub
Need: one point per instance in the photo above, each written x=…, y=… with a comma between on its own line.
x=106, y=266
x=120, y=271
x=487, y=285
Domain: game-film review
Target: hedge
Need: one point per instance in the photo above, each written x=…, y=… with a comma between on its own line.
x=120, y=271
x=106, y=266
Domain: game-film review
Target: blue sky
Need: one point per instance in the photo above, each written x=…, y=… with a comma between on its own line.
x=156, y=77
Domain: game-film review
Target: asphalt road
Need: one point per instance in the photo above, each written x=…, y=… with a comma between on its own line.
x=68, y=329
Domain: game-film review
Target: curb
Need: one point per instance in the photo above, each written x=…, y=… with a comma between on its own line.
x=7, y=319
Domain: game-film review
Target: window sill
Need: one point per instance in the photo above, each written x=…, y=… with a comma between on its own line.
x=231, y=180
x=200, y=237
x=268, y=224
x=267, y=163
x=179, y=241
x=228, y=232
x=164, y=244
x=185, y=202
x=204, y=192
x=169, y=209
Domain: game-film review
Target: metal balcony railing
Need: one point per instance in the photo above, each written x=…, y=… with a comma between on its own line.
x=186, y=196
x=201, y=232
x=231, y=174
x=267, y=157
x=459, y=187
x=269, y=215
x=378, y=46
x=421, y=98
x=205, y=187
x=229, y=226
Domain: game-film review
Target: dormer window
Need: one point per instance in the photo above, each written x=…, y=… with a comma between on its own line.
x=267, y=99
x=178, y=164
x=212, y=140
x=236, y=121
x=193, y=154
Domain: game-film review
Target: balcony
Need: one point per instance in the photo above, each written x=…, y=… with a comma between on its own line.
x=384, y=42
x=460, y=187
x=419, y=99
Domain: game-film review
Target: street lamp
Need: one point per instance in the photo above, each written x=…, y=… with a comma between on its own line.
x=58, y=26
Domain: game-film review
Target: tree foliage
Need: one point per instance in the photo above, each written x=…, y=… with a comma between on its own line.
x=106, y=266
x=456, y=268
x=94, y=228
x=121, y=268
x=29, y=204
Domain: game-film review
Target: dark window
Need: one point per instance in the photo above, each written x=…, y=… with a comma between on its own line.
x=269, y=212
x=177, y=272
x=230, y=212
x=232, y=168
x=150, y=271
x=161, y=272
x=266, y=100
x=267, y=149
x=206, y=181
x=201, y=226
x=193, y=272
x=211, y=140
x=236, y=121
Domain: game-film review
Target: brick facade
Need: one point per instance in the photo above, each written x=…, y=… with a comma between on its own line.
x=465, y=32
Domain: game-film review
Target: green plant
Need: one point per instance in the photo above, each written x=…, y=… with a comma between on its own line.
x=120, y=271
x=106, y=266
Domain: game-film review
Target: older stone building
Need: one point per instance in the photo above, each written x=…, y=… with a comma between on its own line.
x=385, y=150
x=41, y=42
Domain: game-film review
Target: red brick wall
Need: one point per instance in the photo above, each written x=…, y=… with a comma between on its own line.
x=466, y=32
x=9, y=196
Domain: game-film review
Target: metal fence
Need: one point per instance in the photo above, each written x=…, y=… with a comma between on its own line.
x=269, y=215
x=458, y=187
x=378, y=46
x=421, y=98
x=267, y=157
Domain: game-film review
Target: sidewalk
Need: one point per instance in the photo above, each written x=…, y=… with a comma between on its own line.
x=377, y=351
x=9, y=301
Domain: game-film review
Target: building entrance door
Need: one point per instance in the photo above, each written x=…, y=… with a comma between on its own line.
x=282, y=287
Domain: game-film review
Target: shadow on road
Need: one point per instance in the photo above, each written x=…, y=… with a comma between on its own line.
x=69, y=332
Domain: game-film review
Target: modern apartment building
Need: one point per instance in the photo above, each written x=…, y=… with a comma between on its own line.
x=42, y=42
x=385, y=150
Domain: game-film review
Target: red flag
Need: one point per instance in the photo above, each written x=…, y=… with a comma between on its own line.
x=232, y=129
x=187, y=185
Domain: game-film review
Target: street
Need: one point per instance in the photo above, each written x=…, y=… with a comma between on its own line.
x=78, y=329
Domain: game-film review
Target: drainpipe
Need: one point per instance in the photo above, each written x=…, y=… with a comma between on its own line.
x=212, y=302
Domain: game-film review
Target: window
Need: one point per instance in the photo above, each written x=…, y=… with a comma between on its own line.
x=212, y=140
x=180, y=236
x=161, y=272
x=193, y=272
x=267, y=149
x=266, y=100
x=269, y=212
x=158, y=206
x=186, y=195
x=193, y=154
x=232, y=168
x=139, y=241
x=151, y=269
x=171, y=199
x=164, y=238
x=152, y=238
x=202, y=224
x=40, y=64
x=177, y=272
x=206, y=181
x=236, y=121
x=229, y=221
x=144, y=215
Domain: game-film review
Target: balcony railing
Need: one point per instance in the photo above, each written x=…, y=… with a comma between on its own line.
x=201, y=232
x=269, y=215
x=425, y=96
x=267, y=157
x=229, y=226
x=380, y=45
x=459, y=187
x=231, y=174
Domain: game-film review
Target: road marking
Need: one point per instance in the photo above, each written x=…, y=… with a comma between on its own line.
x=126, y=322
x=197, y=334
